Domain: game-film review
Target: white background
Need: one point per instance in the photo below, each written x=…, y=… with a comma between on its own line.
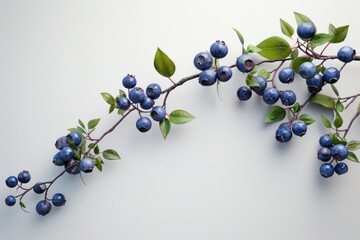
x=222, y=176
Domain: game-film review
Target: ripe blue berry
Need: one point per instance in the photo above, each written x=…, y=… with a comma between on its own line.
x=143, y=124
x=203, y=61
x=39, y=188
x=315, y=83
x=287, y=97
x=224, y=73
x=326, y=170
x=306, y=30
x=286, y=75
x=10, y=200
x=43, y=207
x=123, y=103
x=129, y=81
x=339, y=152
x=346, y=54
x=74, y=137
x=57, y=160
x=86, y=165
x=262, y=84
x=58, y=199
x=307, y=70
x=245, y=63
x=147, y=103
x=24, y=177
x=324, y=154
x=137, y=95
x=325, y=141
x=331, y=75
x=61, y=143
x=66, y=154
x=244, y=93
x=341, y=168
x=158, y=113
x=72, y=167
x=11, y=181
x=283, y=133
x=218, y=49
x=299, y=128
x=271, y=95
x=153, y=91
x=207, y=77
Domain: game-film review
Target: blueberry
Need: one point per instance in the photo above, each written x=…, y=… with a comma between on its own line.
x=86, y=165
x=66, y=154
x=153, y=91
x=129, y=81
x=306, y=30
x=271, y=95
x=299, y=128
x=324, y=154
x=61, y=143
x=287, y=97
x=326, y=170
x=137, y=95
x=346, y=54
x=203, y=61
x=341, y=168
x=123, y=103
x=218, y=49
x=10, y=200
x=43, y=207
x=286, y=75
x=39, y=188
x=307, y=70
x=57, y=160
x=147, y=103
x=74, y=137
x=331, y=75
x=72, y=167
x=11, y=181
x=24, y=177
x=158, y=113
x=315, y=83
x=325, y=141
x=339, y=152
x=262, y=84
x=58, y=199
x=207, y=77
x=143, y=124
x=245, y=63
x=244, y=93
x=224, y=73
x=283, y=133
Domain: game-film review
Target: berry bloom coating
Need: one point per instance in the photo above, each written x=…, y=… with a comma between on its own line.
x=153, y=91
x=24, y=177
x=137, y=95
x=74, y=137
x=147, y=103
x=10, y=200
x=158, y=113
x=207, y=77
x=11, y=181
x=66, y=154
x=244, y=93
x=129, y=81
x=325, y=141
x=339, y=152
x=218, y=49
x=341, y=168
x=307, y=70
x=203, y=61
x=39, y=188
x=143, y=124
x=299, y=128
x=72, y=167
x=224, y=73
x=43, y=207
x=286, y=75
x=287, y=97
x=61, y=143
x=315, y=83
x=262, y=84
x=346, y=54
x=245, y=63
x=283, y=133
x=57, y=160
x=324, y=154
x=86, y=165
x=58, y=199
x=326, y=170
x=123, y=103
x=306, y=30
x=271, y=95
x=331, y=75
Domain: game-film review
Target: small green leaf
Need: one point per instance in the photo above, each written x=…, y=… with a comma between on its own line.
x=72, y=146
x=339, y=106
x=301, y=18
x=122, y=93
x=72, y=129
x=111, y=108
x=294, y=54
x=163, y=64
x=81, y=124
x=274, y=48
x=340, y=34
x=353, y=145
x=326, y=122
x=306, y=119
x=334, y=90
x=320, y=39
x=253, y=49
x=338, y=121
x=264, y=73
x=91, y=145
x=352, y=157
x=22, y=205
x=77, y=155
x=323, y=100
x=239, y=36
x=251, y=81
x=180, y=117
x=97, y=149
x=332, y=29
x=286, y=28
x=80, y=130
x=121, y=112
x=255, y=69
x=296, y=107
x=320, y=69
x=93, y=123
x=295, y=64
x=98, y=164
x=108, y=98
x=165, y=127
x=336, y=139
x=275, y=114
x=110, y=154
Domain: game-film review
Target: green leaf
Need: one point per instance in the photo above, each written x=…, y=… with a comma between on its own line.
x=22, y=205
x=72, y=129
x=320, y=68
x=72, y=146
x=295, y=64
x=336, y=139
x=77, y=155
x=296, y=107
x=306, y=119
x=334, y=89
x=338, y=121
x=286, y=28
x=264, y=73
x=81, y=124
x=163, y=64
x=98, y=164
x=108, y=98
x=239, y=36
x=121, y=112
x=180, y=117
x=332, y=29
x=340, y=34
x=165, y=127
x=323, y=100
x=301, y=18
x=275, y=114
x=320, y=39
x=122, y=93
x=251, y=81
x=91, y=145
x=253, y=49
x=352, y=157
x=353, y=145
x=294, y=54
x=97, y=149
x=110, y=154
x=255, y=69
x=80, y=130
x=274, y=48
x=93, y=123
x=339, y=106
x=111, y=108
x=326, y=122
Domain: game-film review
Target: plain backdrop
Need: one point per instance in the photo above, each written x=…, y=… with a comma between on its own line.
x=222, y=176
